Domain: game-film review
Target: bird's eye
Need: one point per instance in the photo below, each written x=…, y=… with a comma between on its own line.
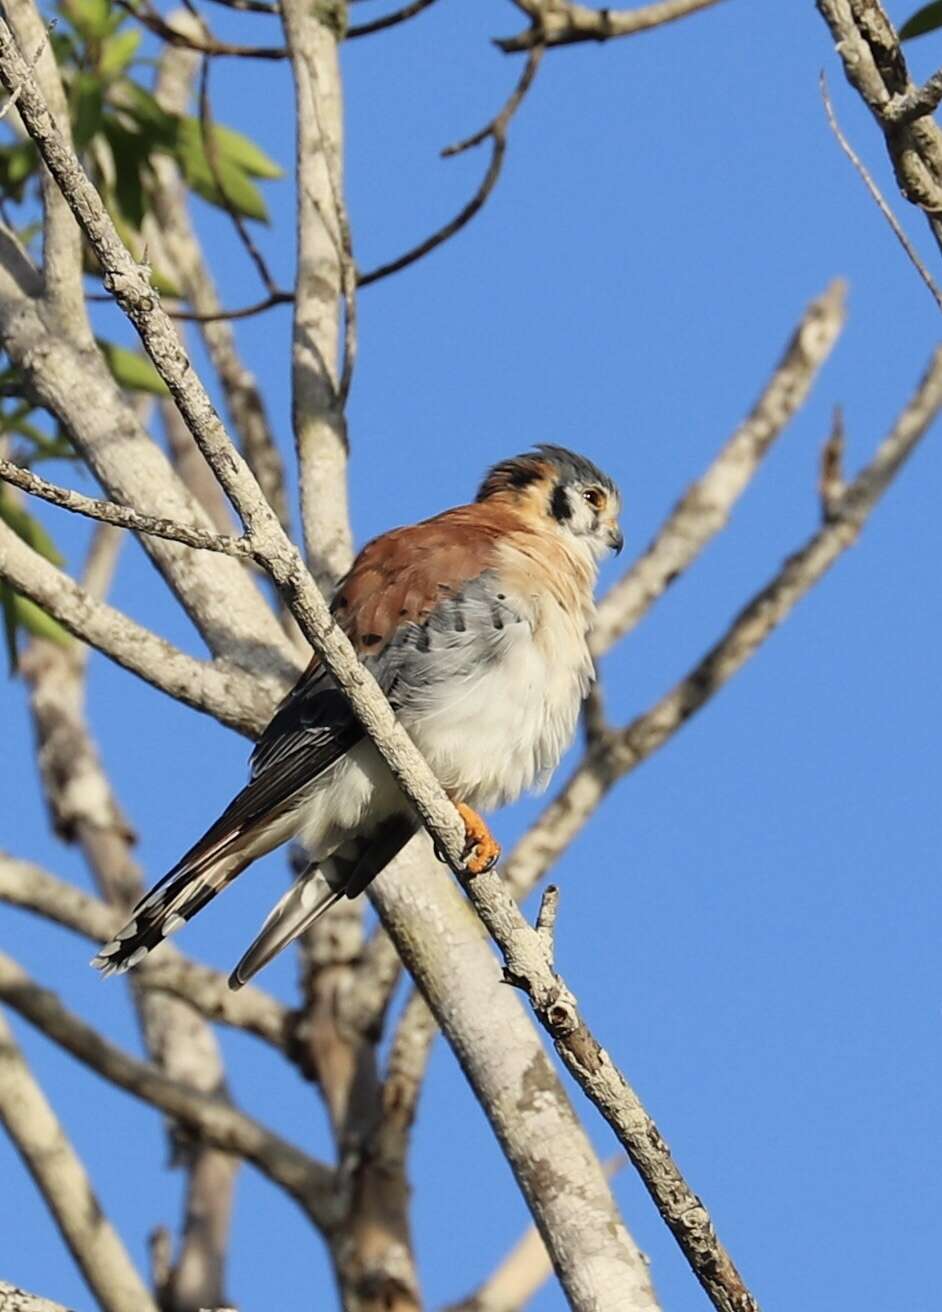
x=595, y=497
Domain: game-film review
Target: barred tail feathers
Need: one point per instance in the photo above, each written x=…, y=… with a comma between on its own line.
x=167, y=907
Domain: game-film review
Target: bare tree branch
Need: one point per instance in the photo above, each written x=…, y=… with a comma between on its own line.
x=63, y=1182
x=625, y=749
x=229, y=695
x=869, y=49
x=597, y=1263
x=557, y=23
x=63, y=289
x=74, y=384
x=108, y=512
x=204, y=44
x=877, y=195
x=528, y=957
x=320, y=430
x=26, y=885
x=13, y=1299
x=176, y=71
x=85, y=811
x=388, y=20
x=216, y=1123
x=704, y=509
x=496, y=132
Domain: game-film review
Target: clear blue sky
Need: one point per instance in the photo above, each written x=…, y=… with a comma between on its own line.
x=751, y=923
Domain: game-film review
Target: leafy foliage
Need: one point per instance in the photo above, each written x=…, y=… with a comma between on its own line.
x=121, y=129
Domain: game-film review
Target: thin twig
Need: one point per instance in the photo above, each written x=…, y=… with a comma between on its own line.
x=230, y=695
x=251, y=6
x=917, y=103
x=204, y=45
x=877, y=195
x=108, y=512
x=211, y=148
x=496, y=132
x=388, y=20
x=277, y=297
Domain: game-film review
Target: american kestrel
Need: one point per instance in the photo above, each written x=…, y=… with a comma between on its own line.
x=475, y=625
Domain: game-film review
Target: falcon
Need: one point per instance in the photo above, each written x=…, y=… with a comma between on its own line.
x=475, y=625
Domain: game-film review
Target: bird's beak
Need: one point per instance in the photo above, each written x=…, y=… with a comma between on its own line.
x=616, y=539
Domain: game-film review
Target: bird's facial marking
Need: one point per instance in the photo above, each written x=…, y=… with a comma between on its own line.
x=560, y=507
x=371, y=639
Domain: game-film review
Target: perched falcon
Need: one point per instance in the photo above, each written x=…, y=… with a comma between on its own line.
x=475, y=626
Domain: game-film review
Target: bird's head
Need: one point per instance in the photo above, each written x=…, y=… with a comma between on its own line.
x=568, y=491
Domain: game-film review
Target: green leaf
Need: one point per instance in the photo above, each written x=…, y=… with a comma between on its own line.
x=240, y=192
x=926, y=19
x=27, y=528
x=156, y=125
x=7, y=605
x=92, y=18
x=85, y=99
x=129, y=151
x=27, y=615
x=118, y=53
x=132, y=370
x=17, y=165
x=232, y=145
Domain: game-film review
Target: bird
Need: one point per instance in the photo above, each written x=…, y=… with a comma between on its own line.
x=475, y=624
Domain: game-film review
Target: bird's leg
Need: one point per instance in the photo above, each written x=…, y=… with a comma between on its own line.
x=482, y=849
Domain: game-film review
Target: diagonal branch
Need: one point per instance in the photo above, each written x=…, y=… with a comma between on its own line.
x=64, y=1184
x=217, y=1123
x=556, y=23
x=528, y=958
x=228, y=694
x=622, y=751
x=704, y=509
x=109, y=512
x=502, y=1058
x=253, y=1011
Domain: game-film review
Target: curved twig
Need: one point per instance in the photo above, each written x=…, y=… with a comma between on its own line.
x=496, y=130
x=388, y=20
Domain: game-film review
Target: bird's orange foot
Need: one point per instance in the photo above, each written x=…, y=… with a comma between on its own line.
x=482, y=849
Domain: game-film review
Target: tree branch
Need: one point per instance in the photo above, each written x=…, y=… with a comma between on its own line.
x=496, y=132
x=108, y=512
x=625, y=749
x=217, y=1124
x=878, y=199
x=555, y=23
x=176, y=72
x=64, y=1184
x=13, y=1299
x=869, y=49
x=320, y=430
x=705, y=508
x=229, y=695
x=598, y=1265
